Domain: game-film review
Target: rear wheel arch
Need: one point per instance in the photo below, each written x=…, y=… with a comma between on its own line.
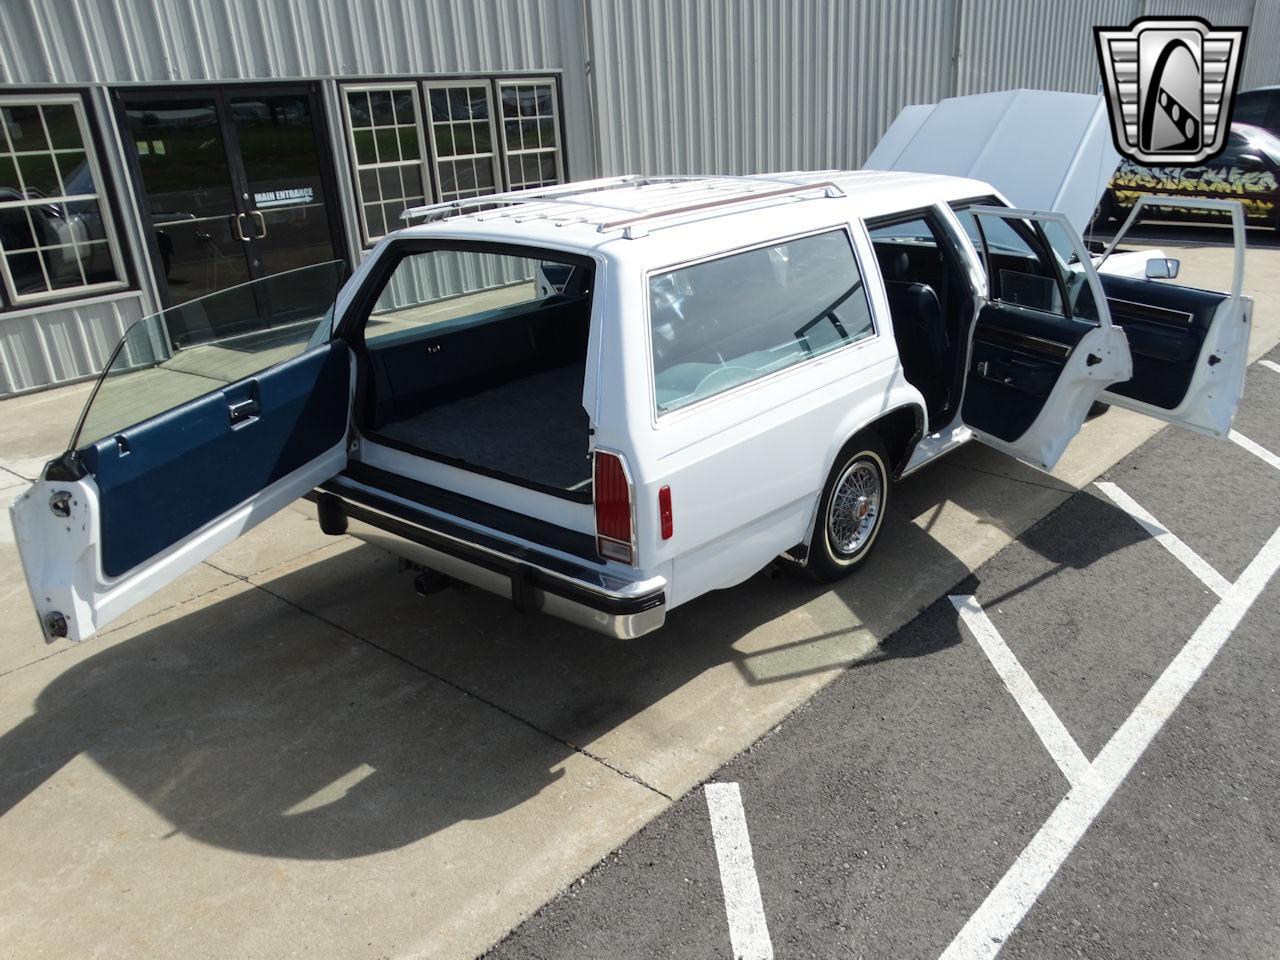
x=898, y=430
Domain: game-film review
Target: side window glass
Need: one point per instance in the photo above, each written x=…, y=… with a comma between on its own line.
x=438, y=290
x=1017, y=266
x=1250, y=110
x=725, y=322
x=205, y=344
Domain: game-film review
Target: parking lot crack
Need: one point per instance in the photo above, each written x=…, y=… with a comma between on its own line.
x=1058, y=485
x=620, y=771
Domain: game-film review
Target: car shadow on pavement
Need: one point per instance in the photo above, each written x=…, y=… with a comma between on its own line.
x=333, y=714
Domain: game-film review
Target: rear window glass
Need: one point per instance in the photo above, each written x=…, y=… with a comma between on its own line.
x=722, y=323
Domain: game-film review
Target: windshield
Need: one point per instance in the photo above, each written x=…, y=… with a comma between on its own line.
x=203, y=345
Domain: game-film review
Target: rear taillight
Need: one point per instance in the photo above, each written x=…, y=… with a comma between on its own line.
x=613, y=508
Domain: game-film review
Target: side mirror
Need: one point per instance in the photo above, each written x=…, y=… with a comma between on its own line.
x=1162, y=268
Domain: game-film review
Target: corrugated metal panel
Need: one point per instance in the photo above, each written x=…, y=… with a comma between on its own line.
x=1004, y=45
x=62, y=343
x=739, y=87
x=1261, y=61
x=157, y=41
x=1222, y=13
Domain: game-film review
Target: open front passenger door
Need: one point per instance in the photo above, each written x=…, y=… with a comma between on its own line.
x=209, y=418
x=1043, y=347
x=1190, y=346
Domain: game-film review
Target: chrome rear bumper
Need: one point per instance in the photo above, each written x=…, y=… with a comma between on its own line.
x=587, y=596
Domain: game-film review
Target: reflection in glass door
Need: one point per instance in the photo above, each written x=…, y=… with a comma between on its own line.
x=189, y=194
x=284, y=189
x=235, y=185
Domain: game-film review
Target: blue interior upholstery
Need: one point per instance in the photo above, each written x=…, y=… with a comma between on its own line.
x=168, y=476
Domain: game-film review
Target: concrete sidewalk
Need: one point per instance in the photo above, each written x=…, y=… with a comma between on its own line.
x=288, y=753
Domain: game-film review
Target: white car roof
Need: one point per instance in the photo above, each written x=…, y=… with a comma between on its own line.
x=579, y=216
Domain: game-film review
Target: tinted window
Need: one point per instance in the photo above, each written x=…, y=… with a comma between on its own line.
x=1250, y=110
x=722, y=323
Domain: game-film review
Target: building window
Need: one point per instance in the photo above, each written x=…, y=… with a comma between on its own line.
x=483, y=136
x=462, y=139
x=531, y=133
x=56, y=235
x=385, y=124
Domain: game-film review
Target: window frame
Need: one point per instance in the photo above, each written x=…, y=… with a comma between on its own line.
x=659, y=418
x=556, y=116
x=10, y=299
x=495, y=159
x=424, y=161
x=430, y=158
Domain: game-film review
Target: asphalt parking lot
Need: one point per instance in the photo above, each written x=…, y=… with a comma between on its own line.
x=965, y=790
x=288, y=753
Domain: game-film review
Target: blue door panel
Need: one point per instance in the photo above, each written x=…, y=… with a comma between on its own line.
x=168, y=476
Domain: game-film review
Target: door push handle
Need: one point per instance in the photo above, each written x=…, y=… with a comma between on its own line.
x=242, y=411
x=238, y=231
x=984, y=370
x=262, y=224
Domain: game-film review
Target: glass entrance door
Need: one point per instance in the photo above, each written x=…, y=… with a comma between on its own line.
x=189, y=194
x=284, y=181
x=235, y=184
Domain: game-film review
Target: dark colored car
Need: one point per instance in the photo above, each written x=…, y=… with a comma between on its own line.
x=1248, y=169
x=1259, y=108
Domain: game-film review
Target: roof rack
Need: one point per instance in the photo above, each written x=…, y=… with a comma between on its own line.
x=561, y=193
x=569, y=194
x=628, y=224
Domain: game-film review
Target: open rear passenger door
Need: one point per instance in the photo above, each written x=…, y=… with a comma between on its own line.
x=209, y=418
x=1190, y=346
x=1043, y=347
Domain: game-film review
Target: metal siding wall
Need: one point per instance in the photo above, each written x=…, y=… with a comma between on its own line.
x=1262, y=48
x=60, y=344
x=740, y=87
x=158, y=41
x=1004, y=45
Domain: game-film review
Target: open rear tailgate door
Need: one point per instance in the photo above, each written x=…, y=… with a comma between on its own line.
x=1042, y=149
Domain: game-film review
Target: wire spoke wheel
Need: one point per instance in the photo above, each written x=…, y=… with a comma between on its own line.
x=855, y=507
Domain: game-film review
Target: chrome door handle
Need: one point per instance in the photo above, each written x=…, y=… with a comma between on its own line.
x=262, y=224
x=238, y=231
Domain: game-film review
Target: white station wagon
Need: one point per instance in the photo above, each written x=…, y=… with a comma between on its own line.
x=604, y=399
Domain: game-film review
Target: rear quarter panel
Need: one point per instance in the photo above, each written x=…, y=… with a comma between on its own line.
x=745, y=467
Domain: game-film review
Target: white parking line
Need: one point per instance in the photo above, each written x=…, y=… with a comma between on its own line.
x=1259, y=451
x=748, y=931
x=1210, y=577
x=1006, y=905
x=1272, y=364
x=1057, y=740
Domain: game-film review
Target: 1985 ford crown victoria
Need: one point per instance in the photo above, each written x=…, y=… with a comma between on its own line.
x=606, y=398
